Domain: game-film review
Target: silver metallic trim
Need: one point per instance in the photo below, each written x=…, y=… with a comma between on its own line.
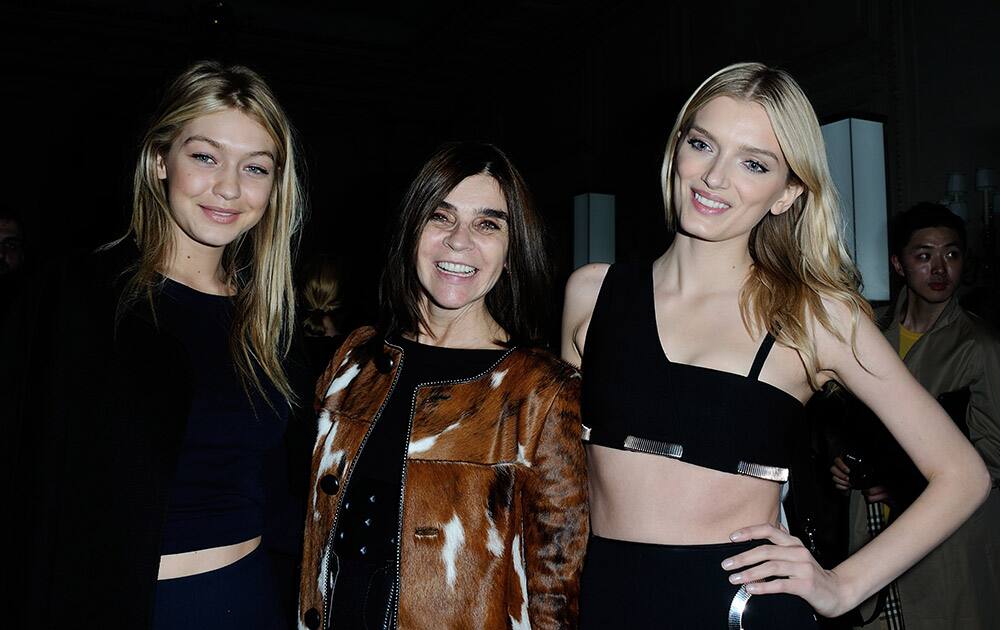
x=653, y=447
x=737, y=607
x=585, y=435
x=346, y=480
x=771, y=473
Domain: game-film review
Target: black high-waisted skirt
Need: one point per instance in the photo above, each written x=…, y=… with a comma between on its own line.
x=641, y=585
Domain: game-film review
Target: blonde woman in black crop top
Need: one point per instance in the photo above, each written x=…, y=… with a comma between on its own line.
x=696, y=369
x=153, y=442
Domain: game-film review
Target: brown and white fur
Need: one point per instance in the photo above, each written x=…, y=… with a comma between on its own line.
x=495, y=516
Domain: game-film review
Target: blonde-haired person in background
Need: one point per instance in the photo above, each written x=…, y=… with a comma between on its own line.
x=696, y=369
x=319, y=298
x=149, y=419
x=323, y=316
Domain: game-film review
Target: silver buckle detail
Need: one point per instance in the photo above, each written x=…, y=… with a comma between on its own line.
x=654, y=447
x=771, y=473
x=737, y=607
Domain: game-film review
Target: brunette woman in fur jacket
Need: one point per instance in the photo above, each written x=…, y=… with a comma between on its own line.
x=448, y=485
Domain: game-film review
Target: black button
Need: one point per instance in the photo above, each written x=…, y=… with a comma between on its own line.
x=347, y=505
x=363, y=550
x=330, y=484
x=368, y=522
x=340, y=535
x=384, y=362
x=312, y=619
x=371, y=499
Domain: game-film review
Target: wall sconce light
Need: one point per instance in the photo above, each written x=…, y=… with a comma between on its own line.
x=956, y=189
x=986, y=182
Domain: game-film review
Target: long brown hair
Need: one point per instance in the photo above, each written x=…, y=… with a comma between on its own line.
x=799, y=256
x=258, y=264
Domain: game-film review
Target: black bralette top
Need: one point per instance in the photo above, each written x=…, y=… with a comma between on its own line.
x=634, y=398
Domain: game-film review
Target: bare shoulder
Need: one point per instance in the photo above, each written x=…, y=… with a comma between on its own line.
x=840, y=315
x=853, y=338
x=582, y=289
x=584, y=285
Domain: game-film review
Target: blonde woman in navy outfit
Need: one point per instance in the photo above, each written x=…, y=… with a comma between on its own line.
x=696, y=370
x=151, y=421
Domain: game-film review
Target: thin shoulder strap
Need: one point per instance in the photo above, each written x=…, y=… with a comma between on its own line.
x=762, y=352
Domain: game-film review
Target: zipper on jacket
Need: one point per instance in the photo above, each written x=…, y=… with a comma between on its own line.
x=328, y=549
x=392, y=611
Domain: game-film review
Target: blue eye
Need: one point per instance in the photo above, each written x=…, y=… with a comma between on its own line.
x=203, y=157
x=755, y=167
x=258, y=170
x=697, y=144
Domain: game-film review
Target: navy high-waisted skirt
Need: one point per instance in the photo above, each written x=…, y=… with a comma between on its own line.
x=241, y=595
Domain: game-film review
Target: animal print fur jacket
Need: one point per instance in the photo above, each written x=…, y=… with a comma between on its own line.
x=495, y=516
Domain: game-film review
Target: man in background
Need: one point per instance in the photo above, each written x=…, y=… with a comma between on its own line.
x=956, y=357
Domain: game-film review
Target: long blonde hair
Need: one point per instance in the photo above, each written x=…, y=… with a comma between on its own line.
x=799, y=256
x=258, y=264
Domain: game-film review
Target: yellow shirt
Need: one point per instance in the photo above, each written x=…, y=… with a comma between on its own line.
x=906, y=340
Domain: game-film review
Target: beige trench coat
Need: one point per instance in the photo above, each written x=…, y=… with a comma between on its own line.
x=957, y=586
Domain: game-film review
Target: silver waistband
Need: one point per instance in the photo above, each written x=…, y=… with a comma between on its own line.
x=771, y=473
x=654, y=447
x=737, y=607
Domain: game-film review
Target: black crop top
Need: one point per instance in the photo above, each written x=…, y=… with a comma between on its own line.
x=217, y=495
x=634, y=398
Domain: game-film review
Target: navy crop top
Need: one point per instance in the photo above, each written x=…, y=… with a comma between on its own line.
x=217, y=495
x=634, y=398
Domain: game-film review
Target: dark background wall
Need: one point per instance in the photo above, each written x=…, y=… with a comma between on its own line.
x=580, y=94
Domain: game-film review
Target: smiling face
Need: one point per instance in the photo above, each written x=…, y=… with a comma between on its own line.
x=463, y=248
x=931, y=263
x=729, y=172
x=219, y=173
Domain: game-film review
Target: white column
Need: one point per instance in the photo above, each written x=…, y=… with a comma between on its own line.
x=593, y=229
x=855, y=149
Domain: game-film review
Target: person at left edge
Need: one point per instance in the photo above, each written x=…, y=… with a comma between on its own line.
x=449, y=486
x=150, y=382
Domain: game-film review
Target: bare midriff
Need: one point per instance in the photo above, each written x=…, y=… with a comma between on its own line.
x=177, y=565
x=652, y=499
